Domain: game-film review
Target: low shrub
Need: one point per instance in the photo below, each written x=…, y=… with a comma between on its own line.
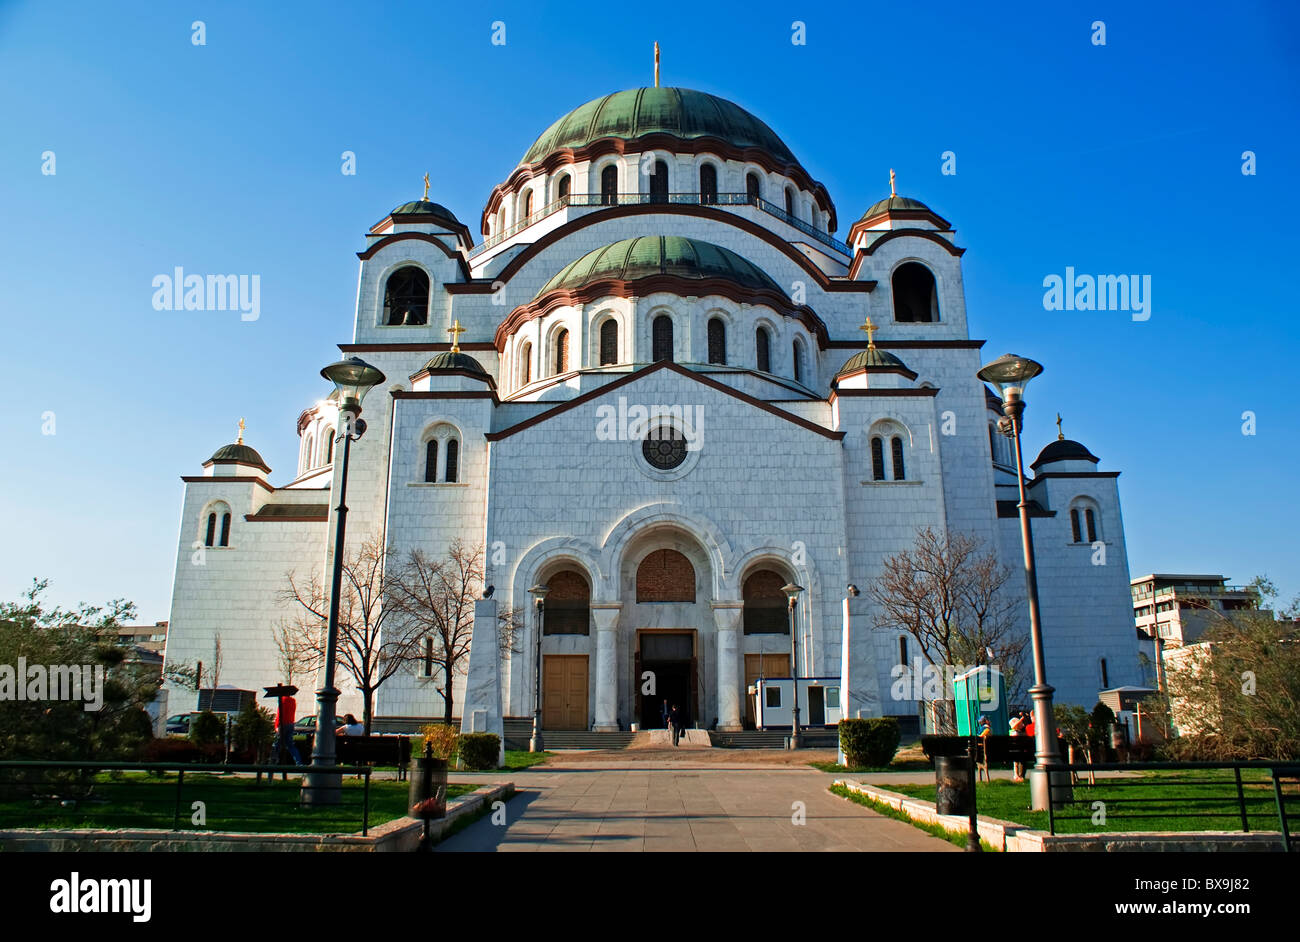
x=439, y=735
x=175, y=751
x=207, y=729
x=479, y=751
x=869, y=742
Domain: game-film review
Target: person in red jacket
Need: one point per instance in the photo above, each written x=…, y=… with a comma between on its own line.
x=285, y=715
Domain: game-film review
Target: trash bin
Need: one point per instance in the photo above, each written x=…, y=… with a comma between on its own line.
x=428, y=792
x=952, y=783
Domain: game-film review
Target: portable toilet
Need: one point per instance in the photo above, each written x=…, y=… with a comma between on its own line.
x=981, y=691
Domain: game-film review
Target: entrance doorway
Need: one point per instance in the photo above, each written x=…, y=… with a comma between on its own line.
x=564, y=691
x=762, y=665
x=816, y=706
x=670, y=657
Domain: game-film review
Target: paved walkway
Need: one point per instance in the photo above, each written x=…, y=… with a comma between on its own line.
x=683, y=805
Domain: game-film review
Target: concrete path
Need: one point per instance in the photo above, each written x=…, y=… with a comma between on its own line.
x=605, y=805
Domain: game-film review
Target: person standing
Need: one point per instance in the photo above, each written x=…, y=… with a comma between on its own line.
x=1018, y=729
x=285, y=715
x=675, y=720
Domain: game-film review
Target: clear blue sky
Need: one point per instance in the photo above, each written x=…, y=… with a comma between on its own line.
x=226, y=158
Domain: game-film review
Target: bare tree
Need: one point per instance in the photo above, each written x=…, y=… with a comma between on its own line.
x=293, y=654
x=438, y=595
x=375, y=640
x=950, y=595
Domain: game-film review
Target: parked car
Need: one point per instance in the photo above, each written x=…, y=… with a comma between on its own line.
x=179, y=725
x=305, y=726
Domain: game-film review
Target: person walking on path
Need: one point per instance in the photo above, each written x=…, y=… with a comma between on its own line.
x=675, y=719
x=285, y=715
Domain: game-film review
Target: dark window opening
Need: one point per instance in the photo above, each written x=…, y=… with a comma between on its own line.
x=562, y=352
x=609, y=342
x=763, y=345
x=568, y=605
x=609, y=185
x=877, y=459
x=659, y=183
x=765, y=604
x=662, y=342
x=431, y=460
x=902, y=650
x=453, y=462
x=225, y=529
x=562, y=191
x=916, y=298
x=789, y=202
x=406, y=297
x=1074, y=526
x=708, y=184
x=1092, y=525
x=717, y=341
x=211, y=536
x=753, y=188
x=796, y=353
x=896, y=447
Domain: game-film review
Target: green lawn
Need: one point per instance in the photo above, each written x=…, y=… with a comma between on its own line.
x=1162, y=796
x=231, y=803
x=898, y=765
x=951, y=837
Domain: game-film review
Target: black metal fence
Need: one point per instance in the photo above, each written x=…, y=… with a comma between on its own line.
x=179, y=797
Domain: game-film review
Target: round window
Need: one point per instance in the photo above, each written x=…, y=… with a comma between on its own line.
x=664, y=448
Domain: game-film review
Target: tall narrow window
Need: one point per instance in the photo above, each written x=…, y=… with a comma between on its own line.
x=609, y=185
x=753, y=189
x=1105, y=675
x=210, y=538
x=1074, y=525
x=659, y=183
x=406, y=297
x=311, y=453
x=763, y=350
x=902, y=650
x=708, y=184
x=562, y=191
x=789, y=201
x=329, y=446
x=796, y=357
x=562, y=352
x=525, y=364
x=609, y=342
x=717, y=341
x=453, y=462
x=225, y=529
x=662, y=340
x=993, y=447
x=1092, y=525
x=431, y=460
x=528, y=204
x=877, y=458
x=896, y=446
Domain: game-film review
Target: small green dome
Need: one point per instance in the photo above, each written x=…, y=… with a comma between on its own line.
x=872, y=358
x=424, y=207
x=894, y=203
x=238, y=453
x=636, y=112
x=447, y=360
x=643, y=256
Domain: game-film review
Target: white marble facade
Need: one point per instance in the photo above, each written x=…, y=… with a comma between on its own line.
x=782, y=479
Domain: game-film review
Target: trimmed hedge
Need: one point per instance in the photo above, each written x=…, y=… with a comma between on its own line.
x=479, y=751
x=869, y=742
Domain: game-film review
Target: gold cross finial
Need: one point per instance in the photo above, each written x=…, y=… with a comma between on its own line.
x=426, y=187
x=1060, y=436
x=656, y=65
x=892, y=191
x=241, y=432
x=455, y=330
x=871, y=328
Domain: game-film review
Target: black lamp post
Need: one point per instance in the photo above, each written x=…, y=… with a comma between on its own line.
x=352, y=379
x=536, y=744
x=792, y=593
x=1011, y=373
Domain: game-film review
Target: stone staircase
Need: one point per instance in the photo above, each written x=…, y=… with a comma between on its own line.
x=773, y=739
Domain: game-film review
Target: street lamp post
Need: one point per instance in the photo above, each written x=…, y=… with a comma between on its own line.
x=352, y=379
x=1011, y=373
x=537, y=744
x=792, y=594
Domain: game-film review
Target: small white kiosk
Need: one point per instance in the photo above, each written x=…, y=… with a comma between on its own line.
x=819, y=702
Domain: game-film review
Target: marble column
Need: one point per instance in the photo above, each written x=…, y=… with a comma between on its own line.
x=605, y=615
x=727, y=617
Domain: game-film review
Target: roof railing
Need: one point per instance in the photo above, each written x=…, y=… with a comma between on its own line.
x=597, y=200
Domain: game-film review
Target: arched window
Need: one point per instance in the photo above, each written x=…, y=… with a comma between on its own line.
x=329, y=446
x=528, y=204
x=1091, y=521
x=406, y=297
x=525, y=364
x=662, y=338
x=211, y=536
x=310, y=453
x=568, y=605
x=765, y=603
x=896, y=447
x=453, y=461
x=1075, y=531
x=717, y=341
x=609, y=342
x=708, y=183
x=753, y=187
x=993, y=445
x=665, y=576
x=915, y=298
x=562, y=352
x=431, y=460
x=225, y=529
x=763, y=345
x=796, y=357
x=789, y=201
x=877, y=458
x=562, y=190
x=659, y=183
x=609, y=185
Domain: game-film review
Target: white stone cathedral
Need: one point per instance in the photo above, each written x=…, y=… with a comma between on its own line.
x=663, y=405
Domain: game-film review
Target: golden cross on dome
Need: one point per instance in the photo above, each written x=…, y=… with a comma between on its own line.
x=656, y=65
x=455, y=330
x=1060, y=436
x=871, y=328
x=426, y=187
x=892, y=191
x=241, y=432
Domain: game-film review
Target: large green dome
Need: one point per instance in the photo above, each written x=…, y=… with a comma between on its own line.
x=644, y=256
x=681, y=112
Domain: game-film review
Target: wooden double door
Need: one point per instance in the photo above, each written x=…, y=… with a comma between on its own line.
x=564, y=691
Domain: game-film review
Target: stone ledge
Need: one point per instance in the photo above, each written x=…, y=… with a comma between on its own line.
x=401, y=835
x=1016, y=838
